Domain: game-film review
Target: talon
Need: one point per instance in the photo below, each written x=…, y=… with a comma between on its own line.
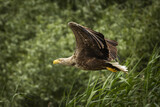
x=111, y=69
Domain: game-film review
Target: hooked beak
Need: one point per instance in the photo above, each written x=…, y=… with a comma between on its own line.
x=56, y=61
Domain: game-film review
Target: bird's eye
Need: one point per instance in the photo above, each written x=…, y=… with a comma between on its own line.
x=60, y=59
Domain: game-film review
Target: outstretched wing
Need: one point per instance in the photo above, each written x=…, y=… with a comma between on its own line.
x=91, y=42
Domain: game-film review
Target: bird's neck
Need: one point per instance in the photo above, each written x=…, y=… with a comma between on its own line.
x=69, y=61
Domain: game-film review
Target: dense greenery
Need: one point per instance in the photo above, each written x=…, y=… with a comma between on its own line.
x=35, y=32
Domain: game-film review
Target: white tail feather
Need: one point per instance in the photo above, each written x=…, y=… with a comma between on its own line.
x=117, y=65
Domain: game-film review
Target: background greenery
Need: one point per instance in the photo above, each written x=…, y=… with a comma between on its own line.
x=35, y=32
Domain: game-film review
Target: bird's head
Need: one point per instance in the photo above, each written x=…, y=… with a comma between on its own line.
x=59, y=61
x=63, y=61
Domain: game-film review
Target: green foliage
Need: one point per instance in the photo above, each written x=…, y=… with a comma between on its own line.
x=34, y=32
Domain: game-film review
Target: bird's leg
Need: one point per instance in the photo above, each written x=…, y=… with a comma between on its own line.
x=111, y=69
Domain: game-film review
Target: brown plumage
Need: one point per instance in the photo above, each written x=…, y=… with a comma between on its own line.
x=93, y=51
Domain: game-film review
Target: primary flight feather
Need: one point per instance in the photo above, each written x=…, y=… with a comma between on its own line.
x=93, y=51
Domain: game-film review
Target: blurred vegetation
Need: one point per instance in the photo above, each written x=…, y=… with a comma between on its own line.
x=34, y=32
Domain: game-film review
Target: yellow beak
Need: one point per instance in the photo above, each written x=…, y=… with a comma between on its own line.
x=56, y=61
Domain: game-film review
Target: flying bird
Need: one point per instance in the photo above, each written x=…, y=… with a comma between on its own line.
x=93, y=51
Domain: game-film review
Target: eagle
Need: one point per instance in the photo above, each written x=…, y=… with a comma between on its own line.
x=93, y=51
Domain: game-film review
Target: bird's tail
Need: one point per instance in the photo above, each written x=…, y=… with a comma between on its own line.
x=118, y=66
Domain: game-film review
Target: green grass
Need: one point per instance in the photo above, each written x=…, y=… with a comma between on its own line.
x=122, y=90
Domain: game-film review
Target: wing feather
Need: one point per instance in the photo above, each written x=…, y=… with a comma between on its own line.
x=112, y=48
